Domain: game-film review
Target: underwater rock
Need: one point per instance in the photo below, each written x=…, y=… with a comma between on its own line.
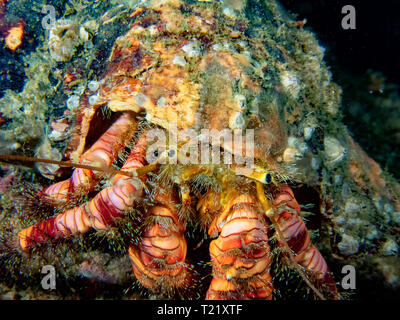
x=390, y=248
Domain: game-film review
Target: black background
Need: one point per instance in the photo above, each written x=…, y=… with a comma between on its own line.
x=375, y=42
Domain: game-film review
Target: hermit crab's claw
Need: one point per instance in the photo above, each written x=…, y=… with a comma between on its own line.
x=99, y=213
x=240, y=255
x=101, y=154
x=158, y=261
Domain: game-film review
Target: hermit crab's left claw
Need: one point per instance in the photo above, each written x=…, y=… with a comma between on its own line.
x=98, y=213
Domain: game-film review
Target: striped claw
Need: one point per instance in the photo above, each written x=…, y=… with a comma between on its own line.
x=240, y=255
x=98, y=213
x=159, y=260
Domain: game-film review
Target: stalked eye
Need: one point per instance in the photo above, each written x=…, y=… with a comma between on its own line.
x=171, y=153
x=267, y=178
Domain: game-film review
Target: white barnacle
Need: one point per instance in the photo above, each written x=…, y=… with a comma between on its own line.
x=308, y=132
x=372, y=233
x=217, y=47
x=229, y=12
x=236, y=121
x=315, y=163
x=179, y=60
x=348, y=245
x=141, y=99
x=243, y=44
x=93, y=85
x=93, y=99
x=192, y=49
x=46, y=151
x=396, y=217
x=240, y=101
x=56, y=135
x=352, y=207
x=291, y=155
x=295, y=150
x=161, y=102
x=339, y=220
x=227, y=46
x=390, y=248
x=83, y=34
x=334, y=151
x=138, y=30
x=152, y=30
x=73, y=102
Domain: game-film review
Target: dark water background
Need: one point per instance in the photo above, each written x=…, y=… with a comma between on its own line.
x=374, y=45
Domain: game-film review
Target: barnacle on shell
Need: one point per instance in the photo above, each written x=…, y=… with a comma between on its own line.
x=64, y=38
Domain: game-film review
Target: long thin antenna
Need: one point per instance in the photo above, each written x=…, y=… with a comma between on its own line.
x=134, y=173
x=66, y=164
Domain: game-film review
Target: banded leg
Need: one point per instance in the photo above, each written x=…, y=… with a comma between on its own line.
x=296, y=235
x=98, y=213
x=159, y=260
x=240, y=255
x=102, y=154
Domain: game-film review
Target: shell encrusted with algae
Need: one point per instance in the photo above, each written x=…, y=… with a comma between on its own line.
x=247, y=65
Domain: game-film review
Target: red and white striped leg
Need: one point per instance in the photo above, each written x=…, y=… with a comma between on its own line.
x=98, y=213
x=159, y=260
x=240, y=255
x=296, y=235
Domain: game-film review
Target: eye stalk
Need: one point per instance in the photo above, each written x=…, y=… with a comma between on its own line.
x=257, y=173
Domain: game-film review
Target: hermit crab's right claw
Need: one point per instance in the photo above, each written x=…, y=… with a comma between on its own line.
x=98, y=213
x=102, y=154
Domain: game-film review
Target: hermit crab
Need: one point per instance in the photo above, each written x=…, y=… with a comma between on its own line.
x=208, y=106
